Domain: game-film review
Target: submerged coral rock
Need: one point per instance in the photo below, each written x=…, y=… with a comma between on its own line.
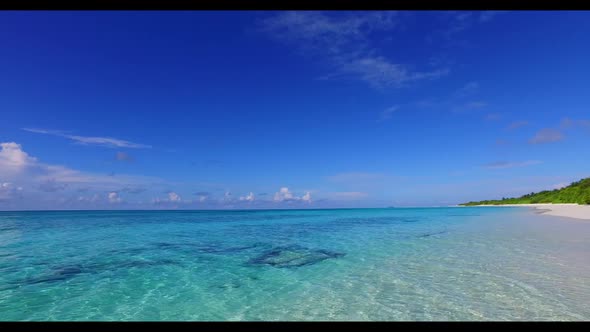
x=57, y=275
x=293, y=256
x=431, y=234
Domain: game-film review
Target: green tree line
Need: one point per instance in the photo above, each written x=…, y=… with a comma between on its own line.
x=576, y=192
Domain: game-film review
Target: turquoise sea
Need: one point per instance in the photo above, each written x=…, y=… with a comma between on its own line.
x=458, y=263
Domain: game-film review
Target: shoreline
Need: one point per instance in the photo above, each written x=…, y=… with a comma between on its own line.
x=568, y=210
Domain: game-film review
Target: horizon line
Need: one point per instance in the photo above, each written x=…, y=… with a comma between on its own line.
x=236, y=210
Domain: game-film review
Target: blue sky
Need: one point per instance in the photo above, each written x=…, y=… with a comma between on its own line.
x=208, y=110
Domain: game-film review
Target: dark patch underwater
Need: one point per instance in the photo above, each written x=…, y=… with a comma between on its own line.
x=293, y=256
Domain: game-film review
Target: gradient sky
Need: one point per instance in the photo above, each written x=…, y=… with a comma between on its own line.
x=208, y=110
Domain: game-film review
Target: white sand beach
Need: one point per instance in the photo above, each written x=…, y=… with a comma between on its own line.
x=561, y=210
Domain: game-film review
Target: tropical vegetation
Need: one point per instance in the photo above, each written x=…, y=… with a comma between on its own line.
x=577, y=192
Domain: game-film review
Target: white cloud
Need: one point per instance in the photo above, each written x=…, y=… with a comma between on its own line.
x=284, y=195
x=306, y=197
x=107, y=141
x=381, y=73
x=312, y=29
x=173, y=197
x=343, y=40
x=248, y=198
x=61, y=174
x=462, y=20
x=114, y=197
x=202, y=196
x=13, y=158
x=91, y=140
x=92, y=199
x=17, y=166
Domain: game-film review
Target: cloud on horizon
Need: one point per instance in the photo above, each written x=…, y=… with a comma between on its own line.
x=114, y=197
x=172, y=201
x=248, y=198
x=284, y=195
x=202, y=195
x=174, y=197
x=41, y=181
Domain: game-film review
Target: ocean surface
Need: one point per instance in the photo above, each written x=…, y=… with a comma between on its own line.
x=463, y=263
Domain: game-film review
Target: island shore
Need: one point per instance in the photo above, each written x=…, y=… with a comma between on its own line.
x=560, y=210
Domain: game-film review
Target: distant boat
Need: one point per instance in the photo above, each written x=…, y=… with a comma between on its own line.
x=390, y=207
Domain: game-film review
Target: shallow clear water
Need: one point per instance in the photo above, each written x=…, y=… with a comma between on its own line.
x=350, y=264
